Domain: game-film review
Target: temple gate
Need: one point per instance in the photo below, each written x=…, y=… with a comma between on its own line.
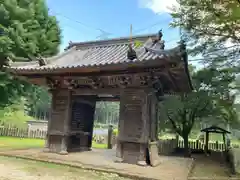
x=109, y=70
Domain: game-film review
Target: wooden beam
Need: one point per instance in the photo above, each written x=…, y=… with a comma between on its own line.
x=99, y=92
x=112, y=99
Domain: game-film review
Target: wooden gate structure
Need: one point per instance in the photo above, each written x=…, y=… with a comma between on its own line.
x=112, y=70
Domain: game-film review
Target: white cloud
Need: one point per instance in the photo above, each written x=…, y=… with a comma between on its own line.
x=158, y=6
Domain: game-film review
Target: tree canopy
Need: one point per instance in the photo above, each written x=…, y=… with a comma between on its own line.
x=26, y=31
x=211, y=28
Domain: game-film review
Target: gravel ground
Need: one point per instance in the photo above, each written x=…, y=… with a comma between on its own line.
x=18, y=169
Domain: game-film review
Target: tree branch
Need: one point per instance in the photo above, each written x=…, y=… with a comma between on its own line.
x=174, y=125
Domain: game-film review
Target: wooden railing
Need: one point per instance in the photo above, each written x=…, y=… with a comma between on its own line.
x=196, y=144
x=41, y=134
x=167, y=146
x=16, y=132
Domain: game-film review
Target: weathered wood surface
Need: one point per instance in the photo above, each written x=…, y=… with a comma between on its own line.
x=60, y=107
x=131, y=116
x=114, y=81
x=133, y=126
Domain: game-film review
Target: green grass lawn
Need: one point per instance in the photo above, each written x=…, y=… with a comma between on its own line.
x=25, y=143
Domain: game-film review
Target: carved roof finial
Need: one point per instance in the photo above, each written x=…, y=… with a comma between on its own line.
x=131, y=34
x=160, y=35
x=131, y=54
x=158, y=43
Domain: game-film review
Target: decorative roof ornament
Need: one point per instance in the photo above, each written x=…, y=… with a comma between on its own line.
x=159, y=35
x=157, y=45
x=158, y=42
x=131, y=54
x=41, y=61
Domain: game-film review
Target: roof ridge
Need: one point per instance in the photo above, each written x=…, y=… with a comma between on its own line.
x=100, y=46
x=119, y=40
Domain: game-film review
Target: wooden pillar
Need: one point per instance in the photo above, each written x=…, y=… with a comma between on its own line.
x=151, y=111
x=47, y=138
x=66, y=122
x=206, y=142
x=57, y=136
x=224, y=141
x=137, y=126
x=119, y=149
x=153, y=105
x=110, y=136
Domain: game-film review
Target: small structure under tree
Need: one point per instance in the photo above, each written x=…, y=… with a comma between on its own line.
x=214, y=129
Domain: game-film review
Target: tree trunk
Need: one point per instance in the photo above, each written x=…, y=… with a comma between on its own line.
x=186, y=148
x=228, y=127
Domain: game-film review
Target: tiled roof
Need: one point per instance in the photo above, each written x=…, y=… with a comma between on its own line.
x=96, y=53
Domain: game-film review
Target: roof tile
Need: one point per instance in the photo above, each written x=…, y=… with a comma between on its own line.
x=87, y=56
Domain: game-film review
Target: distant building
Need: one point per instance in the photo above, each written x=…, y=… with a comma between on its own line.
x=37, y=128
x=34, y=125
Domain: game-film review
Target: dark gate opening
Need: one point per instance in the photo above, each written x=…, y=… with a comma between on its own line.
x=82, y=121
x=81, y=126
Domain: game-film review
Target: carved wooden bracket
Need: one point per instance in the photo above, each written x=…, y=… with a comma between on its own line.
x=96, y=83
x=157, y=85
x=53, y=83
x=141, y=80
x=70, y=83
x=124, y=81
x=92, y=82
x=145, y=80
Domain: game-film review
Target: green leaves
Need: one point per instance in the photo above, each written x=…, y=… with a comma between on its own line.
x=29, y=30
x=26, y=29
x=183, y=110
x=209, y=26
x=38, y=99
x=221, y=85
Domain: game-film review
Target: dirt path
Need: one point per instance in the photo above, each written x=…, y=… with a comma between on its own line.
x=210, y=167
x=18, y=169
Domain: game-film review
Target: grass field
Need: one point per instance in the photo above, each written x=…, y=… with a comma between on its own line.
x=25, y=143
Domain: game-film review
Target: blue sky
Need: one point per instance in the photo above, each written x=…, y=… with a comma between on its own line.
x=81, y=19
